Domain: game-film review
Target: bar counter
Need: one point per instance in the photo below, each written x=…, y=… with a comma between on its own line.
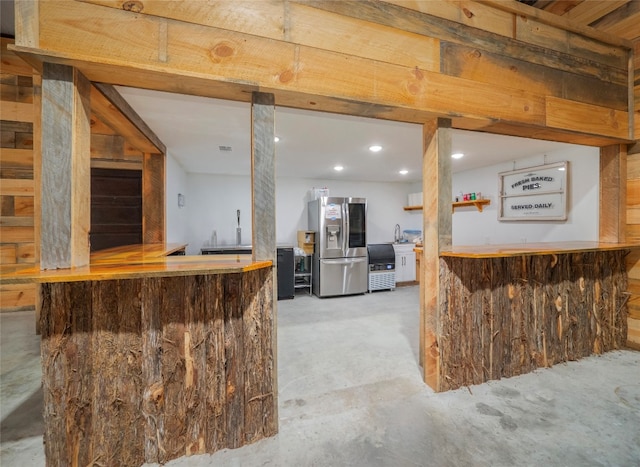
x=528, y=249
x=505, y=310
x=148, y=357
x=136, y=261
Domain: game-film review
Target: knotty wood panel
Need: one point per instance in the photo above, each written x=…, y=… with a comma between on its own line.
x=477, y=64
x=222, y=54
x=169, y=366
x=502, y=317
x=17, y=185
x=17, y=297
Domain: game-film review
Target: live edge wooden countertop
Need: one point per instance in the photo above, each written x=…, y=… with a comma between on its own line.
x=528, y=249
x=137, y=261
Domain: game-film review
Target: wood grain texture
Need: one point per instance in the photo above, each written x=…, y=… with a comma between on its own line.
x=11, y=63
x=17, y=297
x=18, y=187
x=16, y=111
x=153, y=212
x=65, y=168
x=587, y=118
x=151, y=369
x=613, y=194
x=301, y=72
x=477, y=64
x=525, y=11
x=136, y=131
x=263, y=176
x=448, y=30
x=27, y=27
x=508, y=316
x=436, y=185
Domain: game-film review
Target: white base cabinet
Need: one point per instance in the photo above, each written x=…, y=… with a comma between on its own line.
x=405, y=262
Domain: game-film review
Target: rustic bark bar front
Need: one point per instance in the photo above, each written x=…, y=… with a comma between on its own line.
x=155, y=359
x=505, y=311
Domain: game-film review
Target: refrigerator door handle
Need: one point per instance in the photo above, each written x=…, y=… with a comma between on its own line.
x=345, y=223
x=358, y=259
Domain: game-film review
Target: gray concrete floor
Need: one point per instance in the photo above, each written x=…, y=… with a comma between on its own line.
x=351, y=395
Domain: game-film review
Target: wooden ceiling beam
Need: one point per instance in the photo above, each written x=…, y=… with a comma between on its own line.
x=559, y=22
x=110, y=107
x=589, y=11
x=152, y=52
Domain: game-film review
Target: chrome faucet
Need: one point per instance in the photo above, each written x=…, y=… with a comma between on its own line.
x=396, y=234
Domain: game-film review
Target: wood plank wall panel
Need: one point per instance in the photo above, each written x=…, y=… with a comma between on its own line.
x=633, y=235
x=163, y=370
x=17, y=211
x=219, y=42
x=503, y=317
x=633, y=211
x=18, y=185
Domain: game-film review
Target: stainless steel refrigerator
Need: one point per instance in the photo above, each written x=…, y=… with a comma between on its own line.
x=340, y=255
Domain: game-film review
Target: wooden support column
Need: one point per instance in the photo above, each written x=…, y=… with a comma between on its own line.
x=263, y=213
x=613, y=193
x=153, y=205
x=263, y=175
x=66, y=168
x=436, y=187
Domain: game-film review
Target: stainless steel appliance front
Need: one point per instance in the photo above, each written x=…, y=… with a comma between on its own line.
x=340, y=254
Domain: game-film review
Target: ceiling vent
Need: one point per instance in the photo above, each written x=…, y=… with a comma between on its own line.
x=225, y=148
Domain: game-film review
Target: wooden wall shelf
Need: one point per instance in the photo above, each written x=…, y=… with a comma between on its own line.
x=478, y=203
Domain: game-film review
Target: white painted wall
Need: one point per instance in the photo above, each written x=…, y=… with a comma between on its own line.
x=176, y=218
x=471, y=227
x=213, y=200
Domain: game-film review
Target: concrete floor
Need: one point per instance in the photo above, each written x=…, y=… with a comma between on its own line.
x=351, y=395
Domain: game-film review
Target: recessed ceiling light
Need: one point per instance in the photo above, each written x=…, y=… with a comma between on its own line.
x=338, y=168
x=276, y=139
x=403, y=172
x=561, y=169
x=457, y=155
x=375, y=148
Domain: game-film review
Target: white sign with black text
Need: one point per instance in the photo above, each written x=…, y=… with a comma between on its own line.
x=534, y=193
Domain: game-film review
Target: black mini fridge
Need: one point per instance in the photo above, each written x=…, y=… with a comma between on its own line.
x=286, y=278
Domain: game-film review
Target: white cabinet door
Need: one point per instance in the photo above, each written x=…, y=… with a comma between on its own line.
x=409, y=273
x=405, y=263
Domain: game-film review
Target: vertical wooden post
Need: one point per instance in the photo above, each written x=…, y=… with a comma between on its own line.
x=27, y=23
x=436, y=187
x=263, y=201
x=66, y=195
x=613, y=193
x=263, y=176
x=153, y=204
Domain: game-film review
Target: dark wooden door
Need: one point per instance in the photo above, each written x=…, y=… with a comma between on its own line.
x=116, y=208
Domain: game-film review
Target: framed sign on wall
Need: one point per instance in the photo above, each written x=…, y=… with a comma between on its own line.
x=534, y=193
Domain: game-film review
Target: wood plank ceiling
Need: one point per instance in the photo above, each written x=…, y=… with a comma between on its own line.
x=617, y=17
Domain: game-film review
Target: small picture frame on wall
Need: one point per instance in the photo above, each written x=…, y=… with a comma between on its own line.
x=534, y=193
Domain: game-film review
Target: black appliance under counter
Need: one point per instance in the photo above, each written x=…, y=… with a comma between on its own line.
x=382, y=266
x=284, y=263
